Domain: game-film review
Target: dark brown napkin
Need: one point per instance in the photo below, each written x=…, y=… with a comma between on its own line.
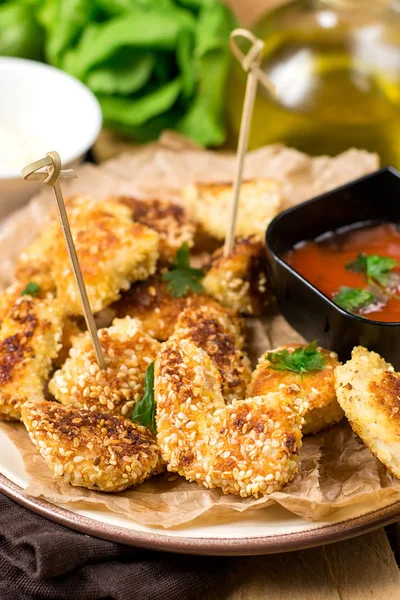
x=42, y=560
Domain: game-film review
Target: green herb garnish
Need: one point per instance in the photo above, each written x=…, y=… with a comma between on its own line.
x=182, y=278
x=144, y=411
x=32, y=289
x=353, y=299
x=301, y=360
x=376, y=268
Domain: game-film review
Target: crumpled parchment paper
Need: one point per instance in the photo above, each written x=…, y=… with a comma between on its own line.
x=336, y=469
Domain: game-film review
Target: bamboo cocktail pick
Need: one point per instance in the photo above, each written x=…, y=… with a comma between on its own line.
x=251, y=64
x=50, y=176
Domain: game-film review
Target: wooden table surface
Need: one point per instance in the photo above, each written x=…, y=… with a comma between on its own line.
x=362, y=568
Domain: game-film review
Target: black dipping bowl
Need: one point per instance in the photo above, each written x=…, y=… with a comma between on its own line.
x=371, y=199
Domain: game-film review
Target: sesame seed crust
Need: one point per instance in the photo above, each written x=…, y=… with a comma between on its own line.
x=89, y=449
x=30, y=337
x=317, y=387
x=246, y=448
x=170, y=220
x=218, y=332
x=127, y=350
x=239, y=281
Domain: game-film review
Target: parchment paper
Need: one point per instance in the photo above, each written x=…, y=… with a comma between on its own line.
x=336, y=469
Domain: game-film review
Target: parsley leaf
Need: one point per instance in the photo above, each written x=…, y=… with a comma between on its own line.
x=302, y=360
x=376, y=268
x=144, y=411
x=353, y=299
x=32, y=289
x=182, y=278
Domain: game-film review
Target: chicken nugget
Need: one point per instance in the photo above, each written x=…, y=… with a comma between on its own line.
x=127, y=350
x=368, y=390
x=113, y=252
x=239, y=281
x=249, y=447
x=315, y=386
x=91, y=449
x=30, y=336
x=210, y=204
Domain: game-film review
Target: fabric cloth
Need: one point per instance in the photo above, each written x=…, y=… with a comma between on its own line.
x=42, y=560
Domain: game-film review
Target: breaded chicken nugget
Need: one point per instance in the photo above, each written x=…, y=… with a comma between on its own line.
x=151, y=302
x=368, y=390
x=248, y=447
x=170, y=220
x=239, y=281
x=91, y=449
x=113, y=252
x=219, y=332
x=210, y=204
x=317, y=387
x=127, y=350
x=29, y=339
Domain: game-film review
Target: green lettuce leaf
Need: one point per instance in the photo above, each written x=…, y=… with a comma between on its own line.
x=123, y=75
x=204, y=121
x=131, y=112
x=20, y=34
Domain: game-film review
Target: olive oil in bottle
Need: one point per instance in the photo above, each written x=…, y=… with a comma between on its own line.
x=336, y=69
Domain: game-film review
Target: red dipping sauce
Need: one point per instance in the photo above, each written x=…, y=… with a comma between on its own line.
x=323, y=262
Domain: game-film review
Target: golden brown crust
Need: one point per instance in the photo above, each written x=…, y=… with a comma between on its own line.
x=219, y=333
x=127, y=350
x=386, y=391
x=34, y=263
x=169, y=219
x=210, y=203
x=317, y=387
x=91, y=449
x=113, y=252
x=239, y=281
x=29, y=340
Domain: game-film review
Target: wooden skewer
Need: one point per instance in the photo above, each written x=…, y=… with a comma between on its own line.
x=52, y=165
x=251, y=64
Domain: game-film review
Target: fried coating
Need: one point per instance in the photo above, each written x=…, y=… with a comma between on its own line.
x=246, y=448
x=71, y=328
x=219, y=333
x=170, y=220
x=29, y=339
x=317, y=387
x=113, y=252
x=210, y=204
x=127, y=350
x=151, y=302
x=90, y=449
x=8, y=298
x=368, y=390
x=34, y=263
x=239, y=281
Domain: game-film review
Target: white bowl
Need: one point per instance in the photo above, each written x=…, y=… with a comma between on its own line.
x=41, y=109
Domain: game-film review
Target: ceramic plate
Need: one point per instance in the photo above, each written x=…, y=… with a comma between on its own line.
x=272, y=529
